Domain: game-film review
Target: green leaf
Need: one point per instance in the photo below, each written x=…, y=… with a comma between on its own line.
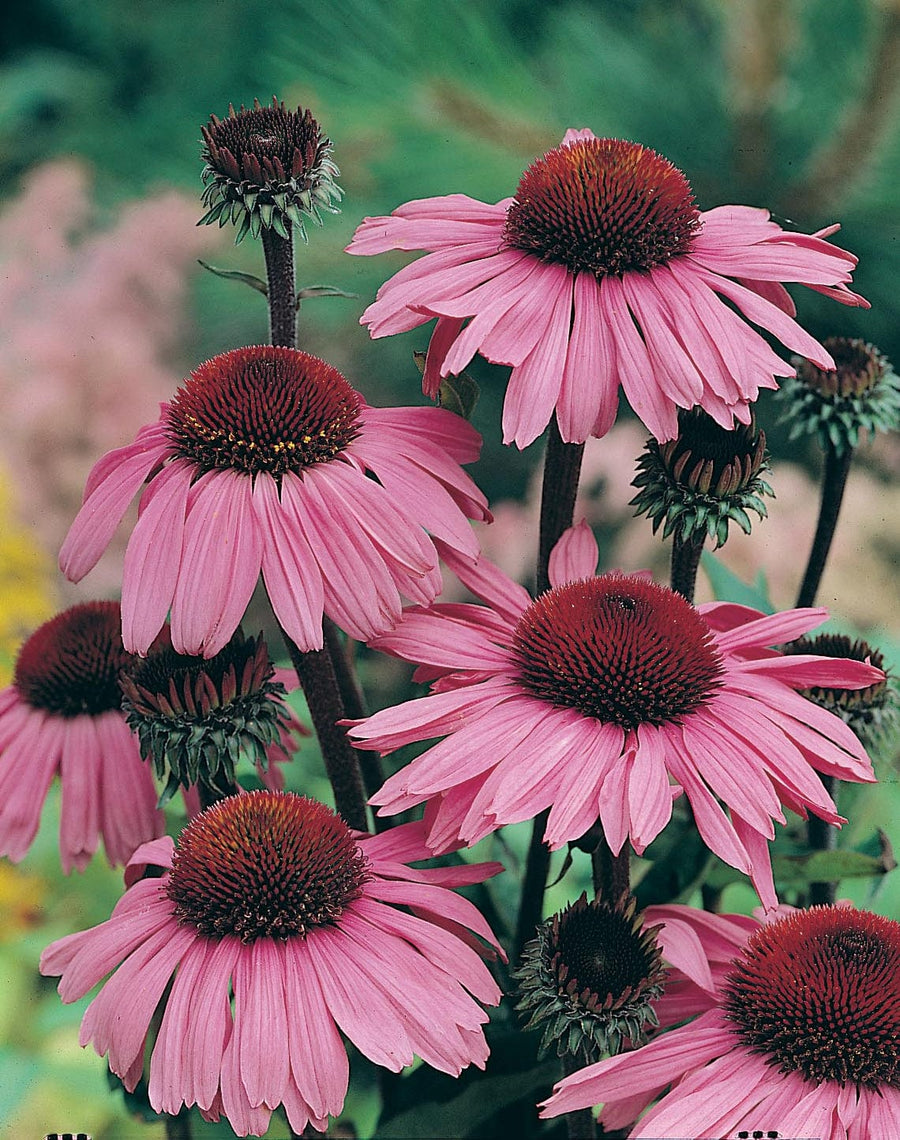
x=322, y=291
x=463, y=1114
x=234, y=275
x=728, y=587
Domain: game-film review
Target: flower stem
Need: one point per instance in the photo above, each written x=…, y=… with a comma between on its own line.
x=611, y=873
x=580, y=1124
x=685, y=563
x=320, y=672
x=834, y=480
x=562, y=467
x=822, y=836
x=178, y=1127
x=316, y=673
x=279, y=254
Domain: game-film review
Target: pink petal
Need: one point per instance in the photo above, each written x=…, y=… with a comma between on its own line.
x=589, y=393
x=153, y=557
x=446, y=330
x=28, y=762
x=289, y=567
x=534, y=385
x=575, y=556
x=220, y=564
x=319, y=1064
x=487, y=582
x=771, y=629
x=646, y=1070
x=261, y=1021
x=99, y=517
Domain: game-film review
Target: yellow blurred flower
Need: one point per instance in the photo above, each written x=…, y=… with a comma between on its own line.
x=26, y=584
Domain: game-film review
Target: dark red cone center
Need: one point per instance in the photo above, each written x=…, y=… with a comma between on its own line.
x=265, y=144
x=603, y=205
x=263, y=408
x=264, y=865
x=71, y=665
x=818, y=993
x=618, y=648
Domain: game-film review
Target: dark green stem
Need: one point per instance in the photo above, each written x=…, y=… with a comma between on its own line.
x=319, y=684
x=534, y=883
x=823, y=837
x=562, y=467
x=279, y=253
x=611, y=873
x=834, y=481
x=580, y=1124
x=210, y=795
x=355, y=708
x=178, y=1127
x=685, y=563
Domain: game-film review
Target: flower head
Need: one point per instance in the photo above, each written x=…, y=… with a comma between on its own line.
x=599, y=272
x=281, y=927
x=590, y=978
x=610, y=695
x=798, y=1030
x=703, y=480
x=261, y=462
x=62, y=714
x=860, y=392
x=195, y=717
x=871, y=712
x=267, y=167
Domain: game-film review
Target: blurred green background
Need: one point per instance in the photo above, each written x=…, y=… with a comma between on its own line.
x=787, y=104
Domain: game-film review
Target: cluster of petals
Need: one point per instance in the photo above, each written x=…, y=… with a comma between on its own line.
x=754, y=744
x=328, y=540
x=250, y=1027
x=107, y=789
x=715, y=1086
x=673, y=335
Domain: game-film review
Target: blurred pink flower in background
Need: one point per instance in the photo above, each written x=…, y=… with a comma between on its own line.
x=90, y=320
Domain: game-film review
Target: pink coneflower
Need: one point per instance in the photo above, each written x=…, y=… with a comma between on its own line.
x=607, y=696
x=271, y=900
x=797, y=1033
x=601, y=271
x=261, y=462
x=61, y=714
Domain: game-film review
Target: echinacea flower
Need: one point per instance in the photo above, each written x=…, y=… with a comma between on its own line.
x=601, y=272
x=590, y=978
x=267, y=168
x=62, y=715
x=607, y=696
x=262, y=462
x=858, y=395
x=195, y=717
x=795, y=1027
x=281, y=928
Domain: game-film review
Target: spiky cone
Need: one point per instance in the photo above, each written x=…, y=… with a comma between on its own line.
x=267, y=167
x=697, y=484
x=861, y=394
x=590, y=977
x=196, y=717
x=872, y=713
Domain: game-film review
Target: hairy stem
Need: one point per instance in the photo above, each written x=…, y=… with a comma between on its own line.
x=580, y=1124
x=685, y=563
x=279, y=254
x=319, y=684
